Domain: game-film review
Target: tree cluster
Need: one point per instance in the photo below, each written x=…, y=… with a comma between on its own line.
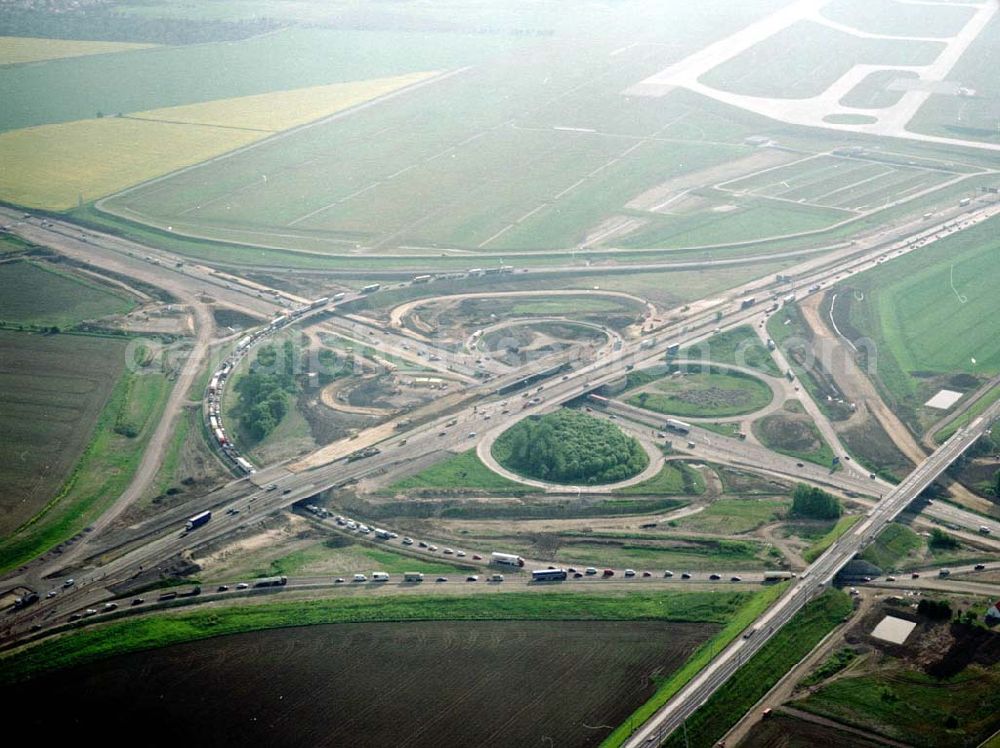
x=936, y=610
x=815, y=503
x=570, y=447
x=941, y=539
x=263, y=391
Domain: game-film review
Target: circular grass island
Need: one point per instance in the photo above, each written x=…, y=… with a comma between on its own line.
x=571, y=448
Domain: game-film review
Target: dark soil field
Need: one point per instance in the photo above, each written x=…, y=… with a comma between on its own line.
x=406, y=684
x=785, y=731
x=52, y=389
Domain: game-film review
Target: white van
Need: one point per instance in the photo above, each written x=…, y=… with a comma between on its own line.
x=360, y=578
x=380, y=576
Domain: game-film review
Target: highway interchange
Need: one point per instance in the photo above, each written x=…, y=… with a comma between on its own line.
x=113, y=556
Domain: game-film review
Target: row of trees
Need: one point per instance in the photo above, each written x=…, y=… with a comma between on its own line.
x=570, y=447
x=815, y=503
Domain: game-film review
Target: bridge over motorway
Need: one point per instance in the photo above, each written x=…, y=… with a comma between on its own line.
x=817, y=578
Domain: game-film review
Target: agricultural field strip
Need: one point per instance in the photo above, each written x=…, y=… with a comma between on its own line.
x=19, y=50
x=399, y=172
x=798, y=171
x=102, y=203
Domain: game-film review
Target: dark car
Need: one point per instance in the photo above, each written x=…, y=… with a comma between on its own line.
x=715, y=577
x=223, y=588
x=577, y=575
x=980, y=567
x=646, y=574
x=138, y=601
x=686, y=575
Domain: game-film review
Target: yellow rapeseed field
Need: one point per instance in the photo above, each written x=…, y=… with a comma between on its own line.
x=281, y=110
x=53, y=166
x=50, y=166
x=20, y=49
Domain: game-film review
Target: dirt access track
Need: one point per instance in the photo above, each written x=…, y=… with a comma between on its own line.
x=858, y=388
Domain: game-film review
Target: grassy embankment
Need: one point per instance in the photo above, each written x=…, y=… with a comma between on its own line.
x=738, y=347
x=893, y=544
x=762, y=671
x=698, y=660
x=464, y=471
x=134, y=634
x=843, y=525
x=674, y=479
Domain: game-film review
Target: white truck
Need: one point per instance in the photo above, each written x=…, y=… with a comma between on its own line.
x=506, y=559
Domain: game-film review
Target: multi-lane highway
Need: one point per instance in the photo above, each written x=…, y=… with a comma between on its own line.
x=819, y=576
x=118, y=557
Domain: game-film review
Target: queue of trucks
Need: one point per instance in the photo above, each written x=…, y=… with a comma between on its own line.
x=217, y=384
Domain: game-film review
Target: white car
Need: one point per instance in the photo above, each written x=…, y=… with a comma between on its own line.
x=432, y=547
x=590, y=570
x=630, y=572
x=360, y=578
x=242, y=586
x=407, y=541
x=448, y=551
x=460, y=554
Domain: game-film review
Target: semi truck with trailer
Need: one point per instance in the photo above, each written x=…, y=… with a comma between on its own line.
x=679, y=426
x=506, y=559
x=271, y=582
x=774, y=576
x=198, y=520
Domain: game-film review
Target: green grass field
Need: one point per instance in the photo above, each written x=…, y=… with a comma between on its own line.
x=739, y=347
x=653, y=552
x=733, y=220
x=588, y=150
x=464, y=472
x=77, y=88
x=135, y=634
x=925, y=311
x=40, y=295
x=337, y=558
x=795, y=436
x=675, y=478
x=705, y=394
x=804, y=59
x=892, y=547
x=899, y=19
x=727, y=705
x=968, y=118
x=911, y=706
x=874, y=92
x=735, y=516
